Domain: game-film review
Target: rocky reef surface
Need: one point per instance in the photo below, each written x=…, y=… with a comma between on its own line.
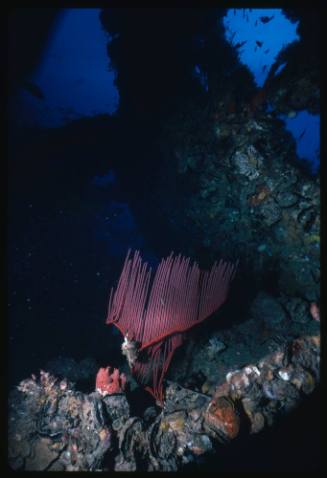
x=54, y=427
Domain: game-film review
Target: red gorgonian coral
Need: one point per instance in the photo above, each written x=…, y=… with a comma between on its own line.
x=154, y=312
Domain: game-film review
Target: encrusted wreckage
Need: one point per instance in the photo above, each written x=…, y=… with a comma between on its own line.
x=52, y=426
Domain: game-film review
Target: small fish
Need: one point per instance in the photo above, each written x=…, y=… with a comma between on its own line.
x=259, y=43
x=266, y=19
x=256, y=23
x=267, y=51
x=240, y=44
x=301, y=135
x=264, y=67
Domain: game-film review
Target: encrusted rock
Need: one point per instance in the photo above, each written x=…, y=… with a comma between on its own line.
x=303, y=381
x=174, y=421
x=215, y=346
x=200, y=444
x=222, y=420
x=301, y=356
x=298, y=309
x=130, y=437
x=117, y=407
x=270, y=211
x=53, y=427
x=248, y=162
x=286, y=199
x=266, y=307
x=58, y=428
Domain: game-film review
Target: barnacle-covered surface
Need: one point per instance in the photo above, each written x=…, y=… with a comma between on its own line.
x=52, y=426
x=268, y=325
x=245, y=196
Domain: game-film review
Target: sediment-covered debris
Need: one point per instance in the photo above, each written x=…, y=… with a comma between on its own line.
x=52, y=426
